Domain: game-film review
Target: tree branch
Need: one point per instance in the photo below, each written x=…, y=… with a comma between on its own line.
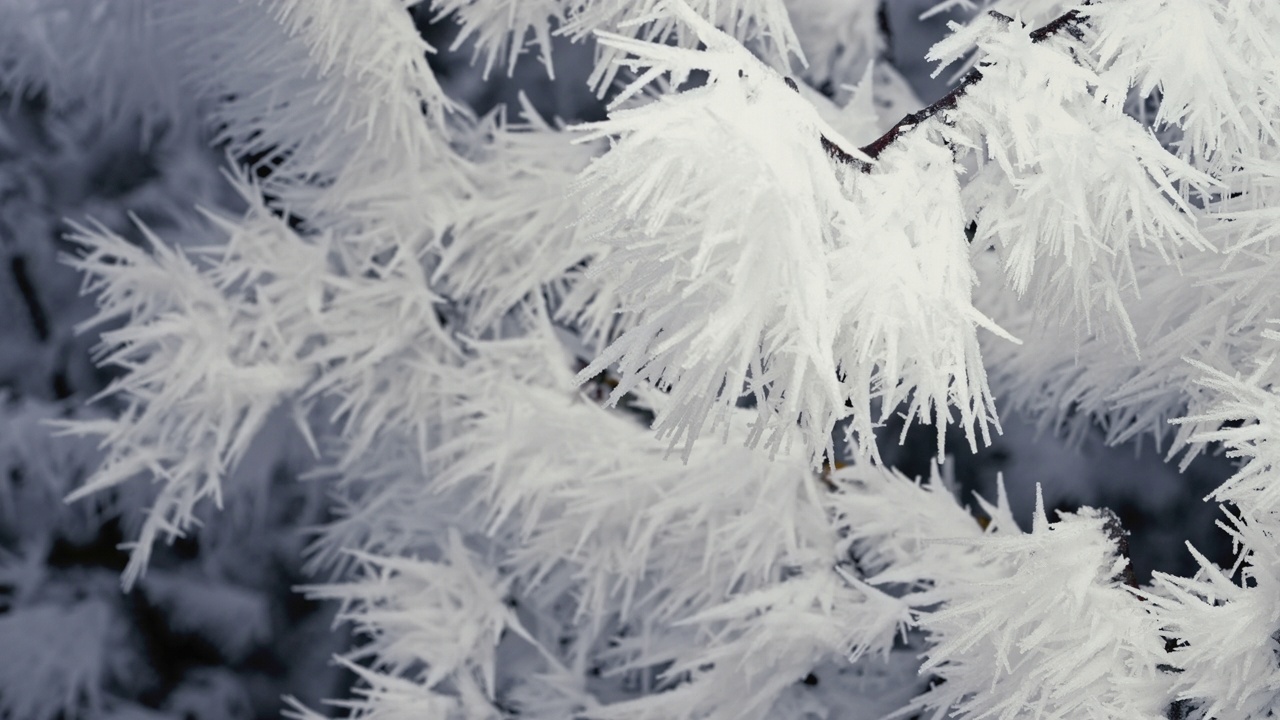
x=1067, y=23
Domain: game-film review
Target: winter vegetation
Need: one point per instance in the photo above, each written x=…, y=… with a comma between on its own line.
x=590, y=405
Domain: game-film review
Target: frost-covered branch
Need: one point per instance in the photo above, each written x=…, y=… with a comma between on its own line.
x=1065, y=23
x=731, y=252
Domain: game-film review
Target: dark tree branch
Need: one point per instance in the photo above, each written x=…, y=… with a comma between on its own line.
x=946, y=102
x=1067, y=23
x=30, y=298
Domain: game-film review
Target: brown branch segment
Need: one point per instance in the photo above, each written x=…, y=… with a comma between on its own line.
x=946, y=102
x=1067, y=22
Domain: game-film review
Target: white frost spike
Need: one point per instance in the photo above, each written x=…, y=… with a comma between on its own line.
x=765, y=24
x=1001, y=513
x=506, y=28
x=1039, y=520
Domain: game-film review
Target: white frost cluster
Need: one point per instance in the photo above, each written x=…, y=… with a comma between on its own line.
x=1047, y=626
x=753, y=267
x=1043, y=127
x=599, y=535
